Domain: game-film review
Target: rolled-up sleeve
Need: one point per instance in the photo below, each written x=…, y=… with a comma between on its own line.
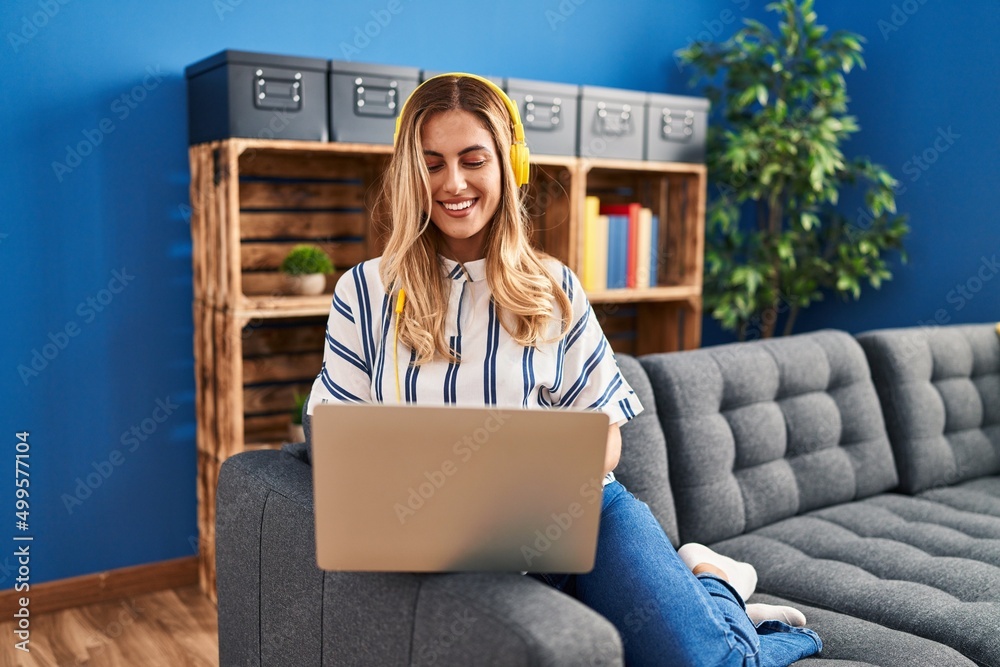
x=592, y=379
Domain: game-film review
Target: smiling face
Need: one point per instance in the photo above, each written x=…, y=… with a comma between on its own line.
x=464, y=171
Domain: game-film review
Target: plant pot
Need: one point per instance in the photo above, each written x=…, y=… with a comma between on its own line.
x=309, y=284
x=296, y=433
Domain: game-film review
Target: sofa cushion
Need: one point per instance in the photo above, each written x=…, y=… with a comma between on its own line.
x=643, y=468
x=853, y=642
x=940, y=393
x=758, y=432
x=904, y=562
x=978, y=495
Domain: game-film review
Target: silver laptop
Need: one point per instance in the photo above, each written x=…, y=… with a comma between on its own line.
x=440, y=489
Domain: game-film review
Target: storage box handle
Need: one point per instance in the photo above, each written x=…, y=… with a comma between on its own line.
x=544, y=115
x=613, y=120
x=375, y=98
x=676, y=127
x=277, y=92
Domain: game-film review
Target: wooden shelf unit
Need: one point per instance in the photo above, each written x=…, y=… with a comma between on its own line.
x=666, y=316
x=255, y=347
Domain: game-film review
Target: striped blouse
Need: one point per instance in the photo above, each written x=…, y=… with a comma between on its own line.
x=578, y=371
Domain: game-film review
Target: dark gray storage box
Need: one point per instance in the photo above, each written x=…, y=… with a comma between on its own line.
x=612, y=123
x=549, y=112
x=365, y=100
x=676, y=126
x=258, y=95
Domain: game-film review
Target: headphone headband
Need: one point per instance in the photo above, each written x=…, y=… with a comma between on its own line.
x=519, y=159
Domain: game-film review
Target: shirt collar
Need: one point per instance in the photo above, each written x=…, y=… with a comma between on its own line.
x=474, y=271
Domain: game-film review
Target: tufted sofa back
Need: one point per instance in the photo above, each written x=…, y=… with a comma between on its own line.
x=758, y=432
x=643, y=467
x=940, y=393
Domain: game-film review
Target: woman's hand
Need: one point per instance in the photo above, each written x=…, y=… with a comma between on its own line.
x=614, y=448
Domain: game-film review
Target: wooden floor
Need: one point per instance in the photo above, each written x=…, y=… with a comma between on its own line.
x=170, y=628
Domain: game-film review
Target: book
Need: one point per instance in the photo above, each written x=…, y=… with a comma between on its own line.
x=654, y=250
x=631, y=213
x=618, y=226
x=601, y=253
x=643, y=254
x=590, y=252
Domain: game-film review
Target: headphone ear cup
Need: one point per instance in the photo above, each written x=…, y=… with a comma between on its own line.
x=519, y=161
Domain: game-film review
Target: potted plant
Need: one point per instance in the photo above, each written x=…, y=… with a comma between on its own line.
x=296, y=432
x=775, y=239
x=305, y=268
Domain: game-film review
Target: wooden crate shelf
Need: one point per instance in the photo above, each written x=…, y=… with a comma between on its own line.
x=676, y=293
x=253, y=200
x=257, y=346
x=248, y=372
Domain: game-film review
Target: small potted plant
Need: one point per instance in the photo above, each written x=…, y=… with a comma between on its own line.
x=305, y=268
x=296, y=432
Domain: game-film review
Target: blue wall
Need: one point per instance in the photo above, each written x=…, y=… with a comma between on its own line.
x=98, y=250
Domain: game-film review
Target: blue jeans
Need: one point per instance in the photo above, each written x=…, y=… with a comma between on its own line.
x=664, y=614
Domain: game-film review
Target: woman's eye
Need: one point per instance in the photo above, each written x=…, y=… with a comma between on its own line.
x=476, y=164
x=434, y=167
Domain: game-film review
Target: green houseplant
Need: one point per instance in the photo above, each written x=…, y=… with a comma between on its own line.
x=305, y=268
x=775, y=239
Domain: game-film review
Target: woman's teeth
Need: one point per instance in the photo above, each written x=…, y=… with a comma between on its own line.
x=459, y=206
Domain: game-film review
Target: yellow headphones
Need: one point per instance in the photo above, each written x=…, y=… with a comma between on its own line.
x=519, y=159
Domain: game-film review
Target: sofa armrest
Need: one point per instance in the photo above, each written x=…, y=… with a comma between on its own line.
x=479, y=618
x=276, y=607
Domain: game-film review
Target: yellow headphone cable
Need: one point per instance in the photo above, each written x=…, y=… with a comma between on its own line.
x=400, y=300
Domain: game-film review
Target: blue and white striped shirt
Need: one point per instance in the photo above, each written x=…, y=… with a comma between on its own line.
x=578, y=371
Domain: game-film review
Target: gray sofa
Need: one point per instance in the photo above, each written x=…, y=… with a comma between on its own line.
x=859, y=476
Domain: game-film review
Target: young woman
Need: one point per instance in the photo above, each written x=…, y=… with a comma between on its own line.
x=487, y=320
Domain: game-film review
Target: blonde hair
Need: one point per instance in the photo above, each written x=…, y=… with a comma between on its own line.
x=524, y=291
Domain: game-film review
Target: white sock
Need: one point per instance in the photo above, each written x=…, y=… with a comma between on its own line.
x=770, y=612
x=742, y=576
